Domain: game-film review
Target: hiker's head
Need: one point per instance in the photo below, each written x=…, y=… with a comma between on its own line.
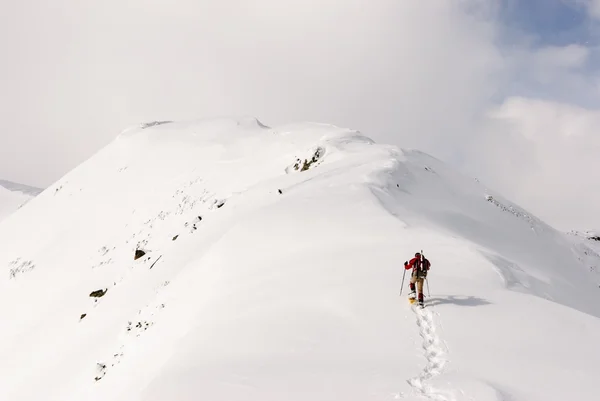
x=417, y=255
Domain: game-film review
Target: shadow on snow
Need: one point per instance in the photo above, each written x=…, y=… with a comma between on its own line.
x=459, y=300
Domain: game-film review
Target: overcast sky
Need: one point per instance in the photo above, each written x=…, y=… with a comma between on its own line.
x=506, y=90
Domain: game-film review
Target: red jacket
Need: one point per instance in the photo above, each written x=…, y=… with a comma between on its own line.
x=413, y=263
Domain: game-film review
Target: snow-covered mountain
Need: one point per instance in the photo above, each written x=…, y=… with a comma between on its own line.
x=13, y=196
x=227, y=260
x=592, y=235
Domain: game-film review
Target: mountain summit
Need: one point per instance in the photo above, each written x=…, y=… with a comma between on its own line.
x=226, y=260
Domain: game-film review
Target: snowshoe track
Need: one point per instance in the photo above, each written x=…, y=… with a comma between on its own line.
x=434, y=354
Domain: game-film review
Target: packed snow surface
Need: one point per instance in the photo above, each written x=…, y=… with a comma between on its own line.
x=13, y=196
x=269, y=267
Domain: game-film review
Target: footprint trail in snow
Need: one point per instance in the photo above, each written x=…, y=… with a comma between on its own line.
x=435, y=356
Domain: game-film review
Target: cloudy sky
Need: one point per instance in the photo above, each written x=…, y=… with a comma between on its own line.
x=506, y=90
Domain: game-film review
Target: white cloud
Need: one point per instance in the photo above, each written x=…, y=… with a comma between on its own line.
x=78, y=73
x=562, y=69
x=594, y=8
x=545, y=155
x=569, y=56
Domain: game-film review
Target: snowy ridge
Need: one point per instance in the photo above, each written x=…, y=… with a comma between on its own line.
x=228, y=260
x=586, y=247
x=13, y=196
x=25, y=189
x=592, y=235
x=518, y=212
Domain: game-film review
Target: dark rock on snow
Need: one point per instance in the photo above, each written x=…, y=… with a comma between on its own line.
x=138, y=254
x=98, y=293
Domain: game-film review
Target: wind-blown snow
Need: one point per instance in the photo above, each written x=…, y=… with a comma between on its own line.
x=272, y=270
x=25, y=189
x=13, y=196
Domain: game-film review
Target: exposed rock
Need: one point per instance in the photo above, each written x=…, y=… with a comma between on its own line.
x=138, y=254
x=19, y=266
x=101, y=368
x=98, y=293
x=319, y=152
x=314, y=160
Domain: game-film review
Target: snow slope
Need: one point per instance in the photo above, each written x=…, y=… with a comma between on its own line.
x=268, y=278
x=13, y=196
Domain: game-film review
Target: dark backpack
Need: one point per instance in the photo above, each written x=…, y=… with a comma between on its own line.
x=421, y=267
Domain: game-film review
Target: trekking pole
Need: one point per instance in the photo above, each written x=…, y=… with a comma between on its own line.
x=402, y=286
x=426, y=278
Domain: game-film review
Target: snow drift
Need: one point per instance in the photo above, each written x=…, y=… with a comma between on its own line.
x=227, y=260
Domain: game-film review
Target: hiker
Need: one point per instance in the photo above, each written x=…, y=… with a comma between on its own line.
x=420, y=266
